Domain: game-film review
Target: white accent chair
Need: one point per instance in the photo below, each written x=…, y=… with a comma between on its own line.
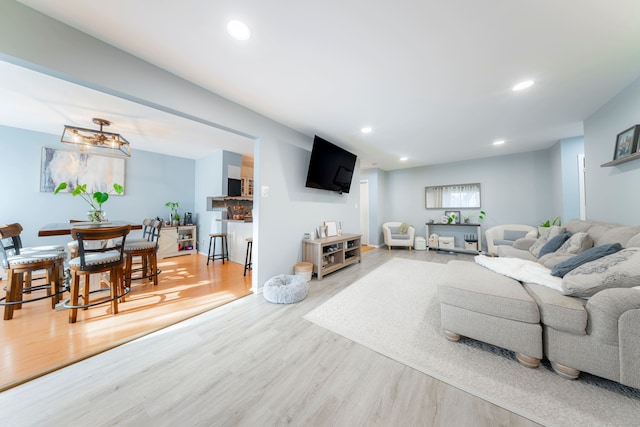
x=507, y=234
x=393, y=238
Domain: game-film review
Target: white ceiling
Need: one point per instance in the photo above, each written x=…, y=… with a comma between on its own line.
x=432, y=78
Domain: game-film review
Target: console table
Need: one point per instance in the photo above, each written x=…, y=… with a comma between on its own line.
x=457, y=227
x=329, y=254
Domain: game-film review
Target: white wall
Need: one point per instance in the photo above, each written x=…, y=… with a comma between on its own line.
x=33, y=40
x=612, y=192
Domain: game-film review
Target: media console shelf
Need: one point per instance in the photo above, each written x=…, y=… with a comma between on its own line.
x=331, y=253
x=457, y=227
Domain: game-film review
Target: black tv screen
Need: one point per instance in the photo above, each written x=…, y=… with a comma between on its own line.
x=330, y=167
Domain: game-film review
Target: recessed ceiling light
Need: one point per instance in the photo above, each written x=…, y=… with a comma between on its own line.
x=366, y=130
x=498, y=142
x=523, y=85
x=238, y=30
x=404, y=159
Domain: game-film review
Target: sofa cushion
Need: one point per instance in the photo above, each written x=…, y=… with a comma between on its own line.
x=634, y=242
x=524, y=243
x=589, y=255
x=554, y=258
x=498, y=242
x=472, y=287
x=513, y=235
x=553, y=244
x=620, y=235
x=512, y=251
x=619, y=270
x=404, y=228
x=400, y=236
x=558, y=311
x=546, y=234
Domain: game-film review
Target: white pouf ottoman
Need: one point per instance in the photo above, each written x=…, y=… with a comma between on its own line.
x=285, y=289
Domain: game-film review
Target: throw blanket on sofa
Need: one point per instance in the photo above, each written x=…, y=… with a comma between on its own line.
x=522, y=270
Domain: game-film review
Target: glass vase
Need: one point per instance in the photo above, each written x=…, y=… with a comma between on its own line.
x=96, y=216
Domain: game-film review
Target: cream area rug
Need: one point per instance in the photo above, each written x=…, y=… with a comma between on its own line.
x=394, y=311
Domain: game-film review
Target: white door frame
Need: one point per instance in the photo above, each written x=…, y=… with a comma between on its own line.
x=364, y=211
x=582, y=190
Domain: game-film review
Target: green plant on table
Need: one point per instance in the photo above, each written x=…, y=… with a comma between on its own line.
x=451, y=218
x=95, y=199
x=482, y=215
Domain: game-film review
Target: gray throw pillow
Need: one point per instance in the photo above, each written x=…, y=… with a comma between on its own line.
x=619, y=270
x=546, y=234
x=561, y=269
x=553, y=244
x=579, y=242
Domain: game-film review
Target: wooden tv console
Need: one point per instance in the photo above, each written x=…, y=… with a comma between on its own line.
x=329, y=254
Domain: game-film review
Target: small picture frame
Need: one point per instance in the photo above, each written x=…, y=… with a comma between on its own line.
x=332, y=228
x=626, y=142
x=457, y=214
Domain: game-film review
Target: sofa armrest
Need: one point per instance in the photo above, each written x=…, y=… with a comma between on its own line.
x=630, y=348
x=607, y=308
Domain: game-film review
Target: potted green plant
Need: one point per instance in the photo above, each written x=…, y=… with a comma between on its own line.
x=174, y=217
x=95, y=200
x=549, y=223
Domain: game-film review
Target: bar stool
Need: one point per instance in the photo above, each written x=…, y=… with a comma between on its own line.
x=146, y=248
x=224, y=251
x=247, y=257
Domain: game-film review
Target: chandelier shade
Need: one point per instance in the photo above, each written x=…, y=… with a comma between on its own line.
x=93, y=141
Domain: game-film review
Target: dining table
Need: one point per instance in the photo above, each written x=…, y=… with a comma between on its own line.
x=64, y=228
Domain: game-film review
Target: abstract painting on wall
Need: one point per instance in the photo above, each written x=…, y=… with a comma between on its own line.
x=75, y=168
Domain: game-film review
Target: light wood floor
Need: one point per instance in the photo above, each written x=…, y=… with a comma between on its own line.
x=38, y=339
x=252, y=363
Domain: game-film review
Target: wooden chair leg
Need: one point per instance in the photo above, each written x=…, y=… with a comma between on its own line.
x=115, y=284
x=73, y=300
x=11, y=280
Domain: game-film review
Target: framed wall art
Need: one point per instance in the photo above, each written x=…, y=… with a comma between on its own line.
x=626, y=142
x=74, y=168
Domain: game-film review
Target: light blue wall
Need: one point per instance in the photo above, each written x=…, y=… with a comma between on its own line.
x=612, y=192
x=515, y=189
x=151, y=180
x=281, y=154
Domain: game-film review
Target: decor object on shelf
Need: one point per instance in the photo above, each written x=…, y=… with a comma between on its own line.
x=332, y=228
x=285, y=289
x=626, y=142
x=453, y=217
x=96, y=141
x=174, y=217
x=95, y=200
x=331, y=253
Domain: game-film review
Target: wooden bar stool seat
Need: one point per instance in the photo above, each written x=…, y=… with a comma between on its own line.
x=224, y=248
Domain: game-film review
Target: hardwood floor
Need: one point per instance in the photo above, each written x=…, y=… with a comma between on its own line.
x=39, y=340
x=252, y=363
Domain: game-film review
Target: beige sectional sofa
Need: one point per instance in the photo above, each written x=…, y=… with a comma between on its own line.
x=590, y=322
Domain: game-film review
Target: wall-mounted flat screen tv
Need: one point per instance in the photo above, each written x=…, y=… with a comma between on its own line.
x=330, y=167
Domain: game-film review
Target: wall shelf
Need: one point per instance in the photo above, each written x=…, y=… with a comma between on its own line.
x=625, y=159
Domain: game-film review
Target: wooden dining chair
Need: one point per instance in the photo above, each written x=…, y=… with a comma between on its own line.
x=20, y=263
x=100, y=250
x=145, y=250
